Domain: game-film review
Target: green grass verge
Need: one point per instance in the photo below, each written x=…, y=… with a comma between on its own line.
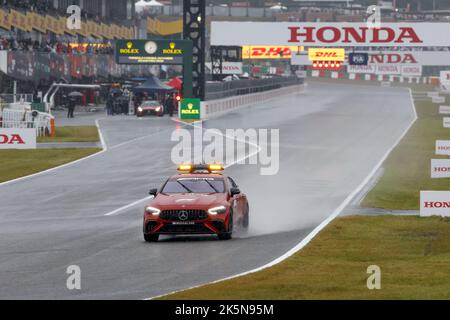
x=73, y=134
x=408, y=168
x=412, y=252
x=19, y=163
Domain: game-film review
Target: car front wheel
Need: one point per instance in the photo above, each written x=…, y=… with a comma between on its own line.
x=229, y=234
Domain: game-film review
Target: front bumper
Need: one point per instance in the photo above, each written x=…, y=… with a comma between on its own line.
x=148, y=113
x=188, y=227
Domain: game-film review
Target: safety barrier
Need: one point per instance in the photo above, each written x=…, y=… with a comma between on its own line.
x=218, y=107
x=221, y=90
x=371, y=77
x=42, y=122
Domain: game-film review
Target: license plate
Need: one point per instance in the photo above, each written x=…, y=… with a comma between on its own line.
x=183, y=222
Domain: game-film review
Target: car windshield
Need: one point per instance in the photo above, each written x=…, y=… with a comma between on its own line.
x=194, y=185
x=150, y=104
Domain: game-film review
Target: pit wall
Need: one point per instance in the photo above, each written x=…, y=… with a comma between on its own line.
x=215, y=108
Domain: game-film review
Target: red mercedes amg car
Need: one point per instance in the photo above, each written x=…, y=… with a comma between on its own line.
x=198, y=200
x=150, y=107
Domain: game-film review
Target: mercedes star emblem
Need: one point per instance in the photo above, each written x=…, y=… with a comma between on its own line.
x=183, y=215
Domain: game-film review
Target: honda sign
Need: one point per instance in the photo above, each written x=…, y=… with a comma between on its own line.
x=11, y=138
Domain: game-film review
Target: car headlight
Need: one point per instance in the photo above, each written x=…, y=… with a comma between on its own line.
x=216, y=210
x=158, y=109
x=140, y=109
x=153, y=211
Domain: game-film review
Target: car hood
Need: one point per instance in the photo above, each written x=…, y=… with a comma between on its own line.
x=150, y=107
x=189, y=200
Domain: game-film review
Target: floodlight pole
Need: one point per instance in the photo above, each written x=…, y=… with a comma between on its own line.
x=194, y=26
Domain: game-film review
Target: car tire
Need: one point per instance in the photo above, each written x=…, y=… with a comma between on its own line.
x=151, y=237
x=245, y=221
x=228, y=235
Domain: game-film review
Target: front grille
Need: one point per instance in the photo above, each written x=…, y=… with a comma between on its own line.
x=174, y=215
x=178, y=229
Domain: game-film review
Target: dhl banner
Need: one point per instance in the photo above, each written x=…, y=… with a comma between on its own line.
x=5, y=22
x=326, y=54
x=269, y=52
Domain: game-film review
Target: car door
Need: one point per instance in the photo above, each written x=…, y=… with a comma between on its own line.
x=238, y=200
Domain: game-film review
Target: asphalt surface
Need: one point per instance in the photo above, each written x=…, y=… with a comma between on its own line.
x=331, y=137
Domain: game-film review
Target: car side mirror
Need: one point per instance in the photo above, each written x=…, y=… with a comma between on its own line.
x=153, y=192
x=235, y=191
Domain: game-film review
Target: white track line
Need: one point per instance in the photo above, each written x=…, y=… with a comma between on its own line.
x=102, y=140
x=319, y=228
x=122, y=209
x=127, y=206
x=104, y=149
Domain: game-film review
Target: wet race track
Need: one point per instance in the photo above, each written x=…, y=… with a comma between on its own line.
x=331, y=137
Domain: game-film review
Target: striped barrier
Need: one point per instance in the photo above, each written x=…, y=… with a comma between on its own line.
x=212, y=108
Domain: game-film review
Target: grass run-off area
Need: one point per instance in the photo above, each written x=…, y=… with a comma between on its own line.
x=19, y=163
x=407, y=170
x=413, y=254
x=73, y=134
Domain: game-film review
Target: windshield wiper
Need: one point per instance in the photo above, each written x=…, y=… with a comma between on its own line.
x=186, y=188
x=217, y=191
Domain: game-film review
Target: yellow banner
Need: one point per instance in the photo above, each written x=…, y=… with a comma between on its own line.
x=5, y=20
x=326, y=54
x=154, y=26
x=58, y=25
x=83, y=30
x=269, y=52
x=34, y=22
x=90, y=28
x=108, y=32
x=118, y=31
x=57, y=29
x=19, y=20
x=96, y=30
x=124, y=33
x=112, y=31
x=63, y=26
